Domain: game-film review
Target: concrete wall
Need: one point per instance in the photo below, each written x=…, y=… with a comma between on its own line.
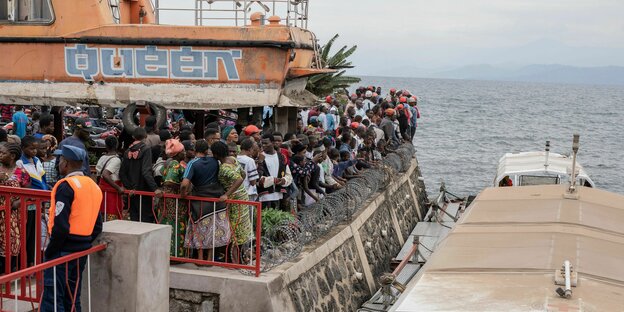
x=332, y=284
x=337, y=273
x=131, y=273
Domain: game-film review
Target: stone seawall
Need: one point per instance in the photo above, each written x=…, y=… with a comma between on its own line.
x=332, y=283
x=337, y=272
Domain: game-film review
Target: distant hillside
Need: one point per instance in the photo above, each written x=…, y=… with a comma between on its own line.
x=612, y=75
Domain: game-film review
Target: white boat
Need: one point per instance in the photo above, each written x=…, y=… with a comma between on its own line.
x=507, y=251
x=532, y=248
x=538, y=168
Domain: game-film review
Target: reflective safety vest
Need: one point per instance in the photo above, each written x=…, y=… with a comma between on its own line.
x=85, y=207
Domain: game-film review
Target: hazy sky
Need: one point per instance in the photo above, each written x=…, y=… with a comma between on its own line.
x=418, y=34
x=444, y=33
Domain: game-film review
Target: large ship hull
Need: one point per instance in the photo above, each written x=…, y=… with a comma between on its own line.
x=92, y=61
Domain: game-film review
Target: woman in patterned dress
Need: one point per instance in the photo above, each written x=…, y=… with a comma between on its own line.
x=12, y=176
x=231, y=176
x=172, y=173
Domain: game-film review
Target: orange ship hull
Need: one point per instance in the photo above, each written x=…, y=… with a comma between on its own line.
x=96, y=62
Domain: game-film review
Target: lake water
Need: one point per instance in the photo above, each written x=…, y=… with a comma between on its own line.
x=466, y=126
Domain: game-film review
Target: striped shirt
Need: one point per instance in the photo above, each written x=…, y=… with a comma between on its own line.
x=251, y=173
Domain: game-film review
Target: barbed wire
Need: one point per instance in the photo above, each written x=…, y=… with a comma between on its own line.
x=286, y=241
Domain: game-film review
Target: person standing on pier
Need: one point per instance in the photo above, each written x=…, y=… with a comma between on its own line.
x=136, y=174
x=387, y=125
x=174, y=211
x=413, y=105
x=74, y=223
x=208, y=229
x=81, y=135
x=20, y=121
x=46, y=126
x=274, y=174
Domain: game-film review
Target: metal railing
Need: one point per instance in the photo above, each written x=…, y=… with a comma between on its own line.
x=235, y=238
x=17, y=206
x=236, y=12
x=19, y=279
x=245, y=256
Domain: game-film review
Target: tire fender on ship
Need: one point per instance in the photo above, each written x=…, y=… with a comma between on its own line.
x=128, y=116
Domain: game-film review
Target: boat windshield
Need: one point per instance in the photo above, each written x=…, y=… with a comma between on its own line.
x=538, y=180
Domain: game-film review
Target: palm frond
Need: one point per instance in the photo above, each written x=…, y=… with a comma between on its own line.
x=327, y=47
x=324, y=84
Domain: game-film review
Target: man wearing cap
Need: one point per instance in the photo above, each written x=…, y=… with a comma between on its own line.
x=81, y=135
x=360, y=110
x=73, y=224
x=387, y=125
x=367, y=104
x=415, y=114
x=253, y=132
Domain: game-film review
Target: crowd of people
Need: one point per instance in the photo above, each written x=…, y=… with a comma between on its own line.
x=333, y=142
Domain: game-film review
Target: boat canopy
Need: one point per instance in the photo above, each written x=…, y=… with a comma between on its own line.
x=504, y=253
x=529, y=168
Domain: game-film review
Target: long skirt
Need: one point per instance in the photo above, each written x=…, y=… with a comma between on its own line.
x=178, y=220
x=209, y=232
x=240, y=221
x=112, y=203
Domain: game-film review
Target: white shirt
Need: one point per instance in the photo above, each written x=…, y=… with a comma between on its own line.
x=333, y=113
x=367, y=105
x=361, y=112
x=113, y=165
x=328, y=175
x=251, y=170
x=379, y=134
x=272, y=163
x=304, y=117
x=322, y=118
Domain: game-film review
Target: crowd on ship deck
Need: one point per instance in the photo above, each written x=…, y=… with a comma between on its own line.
x=333, y=142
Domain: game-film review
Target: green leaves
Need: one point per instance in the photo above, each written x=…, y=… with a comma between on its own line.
x=324, y=84
x=273, y=218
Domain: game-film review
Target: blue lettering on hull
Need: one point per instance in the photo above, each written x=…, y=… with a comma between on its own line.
x=184, y=63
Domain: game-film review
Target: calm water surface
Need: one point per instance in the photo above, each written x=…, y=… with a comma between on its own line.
x=466, y=126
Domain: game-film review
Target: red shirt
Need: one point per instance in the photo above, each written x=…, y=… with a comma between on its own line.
x=285, y=154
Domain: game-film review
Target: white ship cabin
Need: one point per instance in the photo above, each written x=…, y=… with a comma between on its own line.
x=538, y=168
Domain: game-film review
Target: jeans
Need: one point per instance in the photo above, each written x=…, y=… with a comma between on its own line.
x=65, y=288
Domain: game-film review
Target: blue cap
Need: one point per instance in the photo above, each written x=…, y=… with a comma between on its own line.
x=71, y=153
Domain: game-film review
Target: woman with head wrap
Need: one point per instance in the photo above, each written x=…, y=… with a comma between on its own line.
x=172, y=173
x=230, y=136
